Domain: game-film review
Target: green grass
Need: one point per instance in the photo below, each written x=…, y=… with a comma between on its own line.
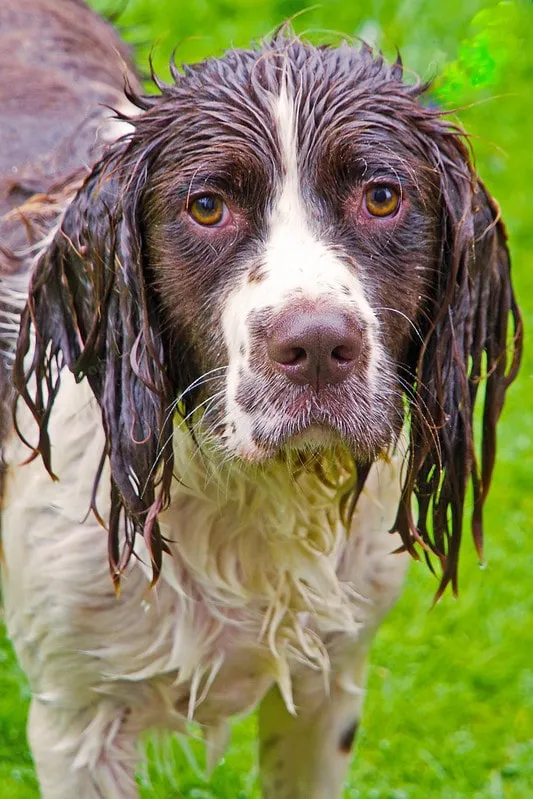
x=449, y=711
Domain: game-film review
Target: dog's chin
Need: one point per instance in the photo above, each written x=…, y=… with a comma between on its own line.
x=315, y=437
x=312, y=441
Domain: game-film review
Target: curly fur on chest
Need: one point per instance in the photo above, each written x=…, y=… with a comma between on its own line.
x=261, y=560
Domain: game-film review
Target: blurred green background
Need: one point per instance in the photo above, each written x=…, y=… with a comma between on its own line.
x=449, y=711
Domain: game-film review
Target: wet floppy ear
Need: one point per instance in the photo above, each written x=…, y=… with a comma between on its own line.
x=89, y=310
x=471, y=352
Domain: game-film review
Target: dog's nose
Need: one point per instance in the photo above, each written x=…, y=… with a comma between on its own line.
x=315, y=348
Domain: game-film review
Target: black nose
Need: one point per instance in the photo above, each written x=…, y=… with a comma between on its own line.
x=315, y=348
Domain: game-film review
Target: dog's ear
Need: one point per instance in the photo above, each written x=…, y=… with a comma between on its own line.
x=89, y=311
x=472, y=345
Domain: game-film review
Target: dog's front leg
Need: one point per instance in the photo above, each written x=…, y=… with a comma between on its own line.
x=306, y=756
x=78, y=758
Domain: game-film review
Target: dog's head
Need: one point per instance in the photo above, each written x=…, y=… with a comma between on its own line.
x=289, y=251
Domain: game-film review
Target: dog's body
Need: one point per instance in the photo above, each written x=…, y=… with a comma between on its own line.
x=238, y=625
x=220, y=287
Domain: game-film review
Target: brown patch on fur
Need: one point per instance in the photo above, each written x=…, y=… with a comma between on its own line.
x=347, y=738
x=269, y=743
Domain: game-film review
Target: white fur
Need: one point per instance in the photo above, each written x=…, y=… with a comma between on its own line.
x=13, y=291
x=112, y=128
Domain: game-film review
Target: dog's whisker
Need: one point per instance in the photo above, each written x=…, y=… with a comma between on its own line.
x=404, y=316
x=207, y=377
x=169, y=438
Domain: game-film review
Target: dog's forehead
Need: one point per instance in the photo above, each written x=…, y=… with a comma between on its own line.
x=344, y=114
x=296, y=62
x=237, y=94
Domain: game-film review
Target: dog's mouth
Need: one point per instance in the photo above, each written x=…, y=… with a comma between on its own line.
x=312, y=439
x=309, y=423
x=309, y=443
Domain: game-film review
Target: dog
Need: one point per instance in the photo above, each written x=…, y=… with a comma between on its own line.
x=245, y=324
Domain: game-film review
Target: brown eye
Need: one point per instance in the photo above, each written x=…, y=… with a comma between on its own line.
x=207, y=210
x=382, y=200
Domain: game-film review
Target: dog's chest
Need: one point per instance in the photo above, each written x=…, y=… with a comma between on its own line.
x=262, y=580
x=267, y=583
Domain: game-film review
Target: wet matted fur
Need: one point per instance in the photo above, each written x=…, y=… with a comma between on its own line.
x=242, y=493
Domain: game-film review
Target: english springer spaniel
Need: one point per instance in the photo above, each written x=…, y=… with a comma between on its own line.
x=246, y=364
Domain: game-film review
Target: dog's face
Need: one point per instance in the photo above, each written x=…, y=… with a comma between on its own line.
x=292, y=233
x=291, y=251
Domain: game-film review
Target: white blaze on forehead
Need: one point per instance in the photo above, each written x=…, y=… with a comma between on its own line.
x=285, y=117
x=296, y=264
x=296, y=261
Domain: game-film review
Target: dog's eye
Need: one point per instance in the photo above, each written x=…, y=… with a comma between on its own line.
x=382, y=200
x=207, y=210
